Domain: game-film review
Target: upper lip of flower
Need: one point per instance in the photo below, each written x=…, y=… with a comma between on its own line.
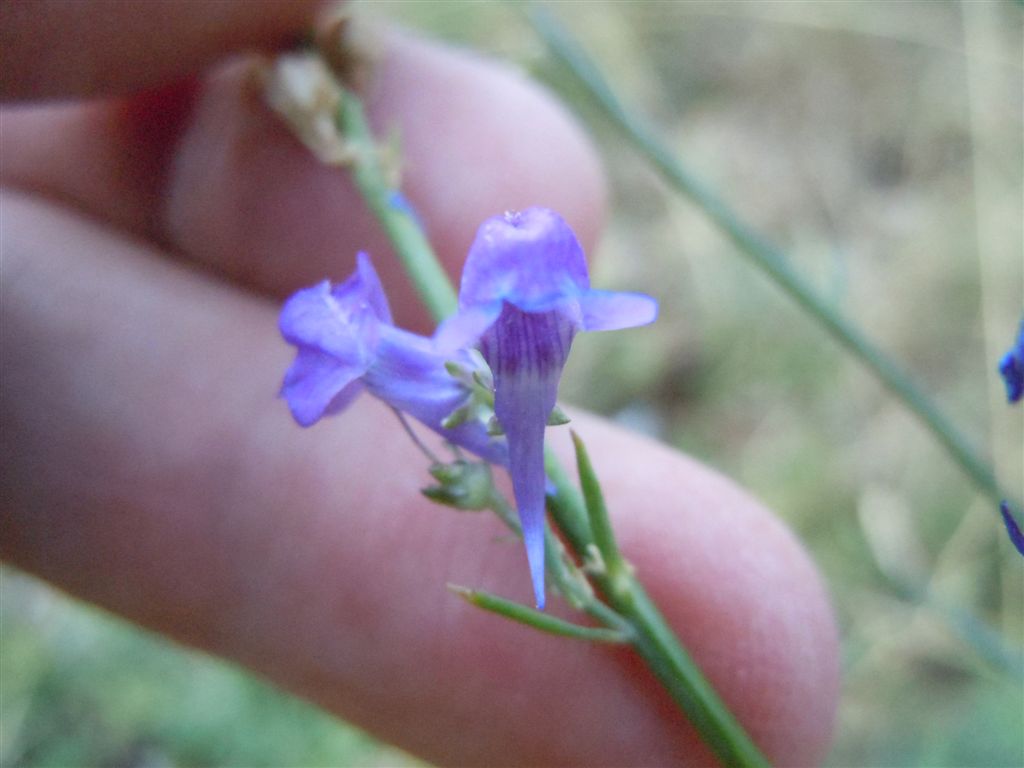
x=532, y=260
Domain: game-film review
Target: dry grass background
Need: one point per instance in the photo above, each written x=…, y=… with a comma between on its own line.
x=880, y=144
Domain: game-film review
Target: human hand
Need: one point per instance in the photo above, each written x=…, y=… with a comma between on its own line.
x=147, y=240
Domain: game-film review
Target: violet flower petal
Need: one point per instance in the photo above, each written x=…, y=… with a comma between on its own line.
x=614, y=310
x=369, y=288
x=524, y=407
x=465, y=327
x=530, y=259
x=318, y=384
x=315, y=318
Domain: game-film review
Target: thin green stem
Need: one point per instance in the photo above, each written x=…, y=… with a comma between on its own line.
x=431, y=456
x=393, y=211
x=763, y=254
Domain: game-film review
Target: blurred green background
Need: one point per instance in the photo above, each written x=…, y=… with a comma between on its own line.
x=880, y=144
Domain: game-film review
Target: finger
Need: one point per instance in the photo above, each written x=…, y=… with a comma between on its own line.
x=59, y=49
x=231, y=189
x=148, y=469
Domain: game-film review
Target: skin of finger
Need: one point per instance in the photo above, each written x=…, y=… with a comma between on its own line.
x=109, y=158
x=215, y=176
x=51, y=49
x=149, y=469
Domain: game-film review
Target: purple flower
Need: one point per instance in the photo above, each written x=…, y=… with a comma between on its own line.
x=525, y=293
x=1016, y=537
x=1012, y=368
x=346, y=343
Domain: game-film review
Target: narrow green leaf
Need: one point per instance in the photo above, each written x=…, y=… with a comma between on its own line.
x=597, y=512
x=531, y=617
x=566, y=505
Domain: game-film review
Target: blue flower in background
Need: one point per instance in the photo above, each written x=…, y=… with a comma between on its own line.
x=1011, y=367
x=1016, y=537
x=346, y=343
x=525, y=294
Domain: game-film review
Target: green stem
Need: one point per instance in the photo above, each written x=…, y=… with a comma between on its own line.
x=763, y=254
x=393, y=211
